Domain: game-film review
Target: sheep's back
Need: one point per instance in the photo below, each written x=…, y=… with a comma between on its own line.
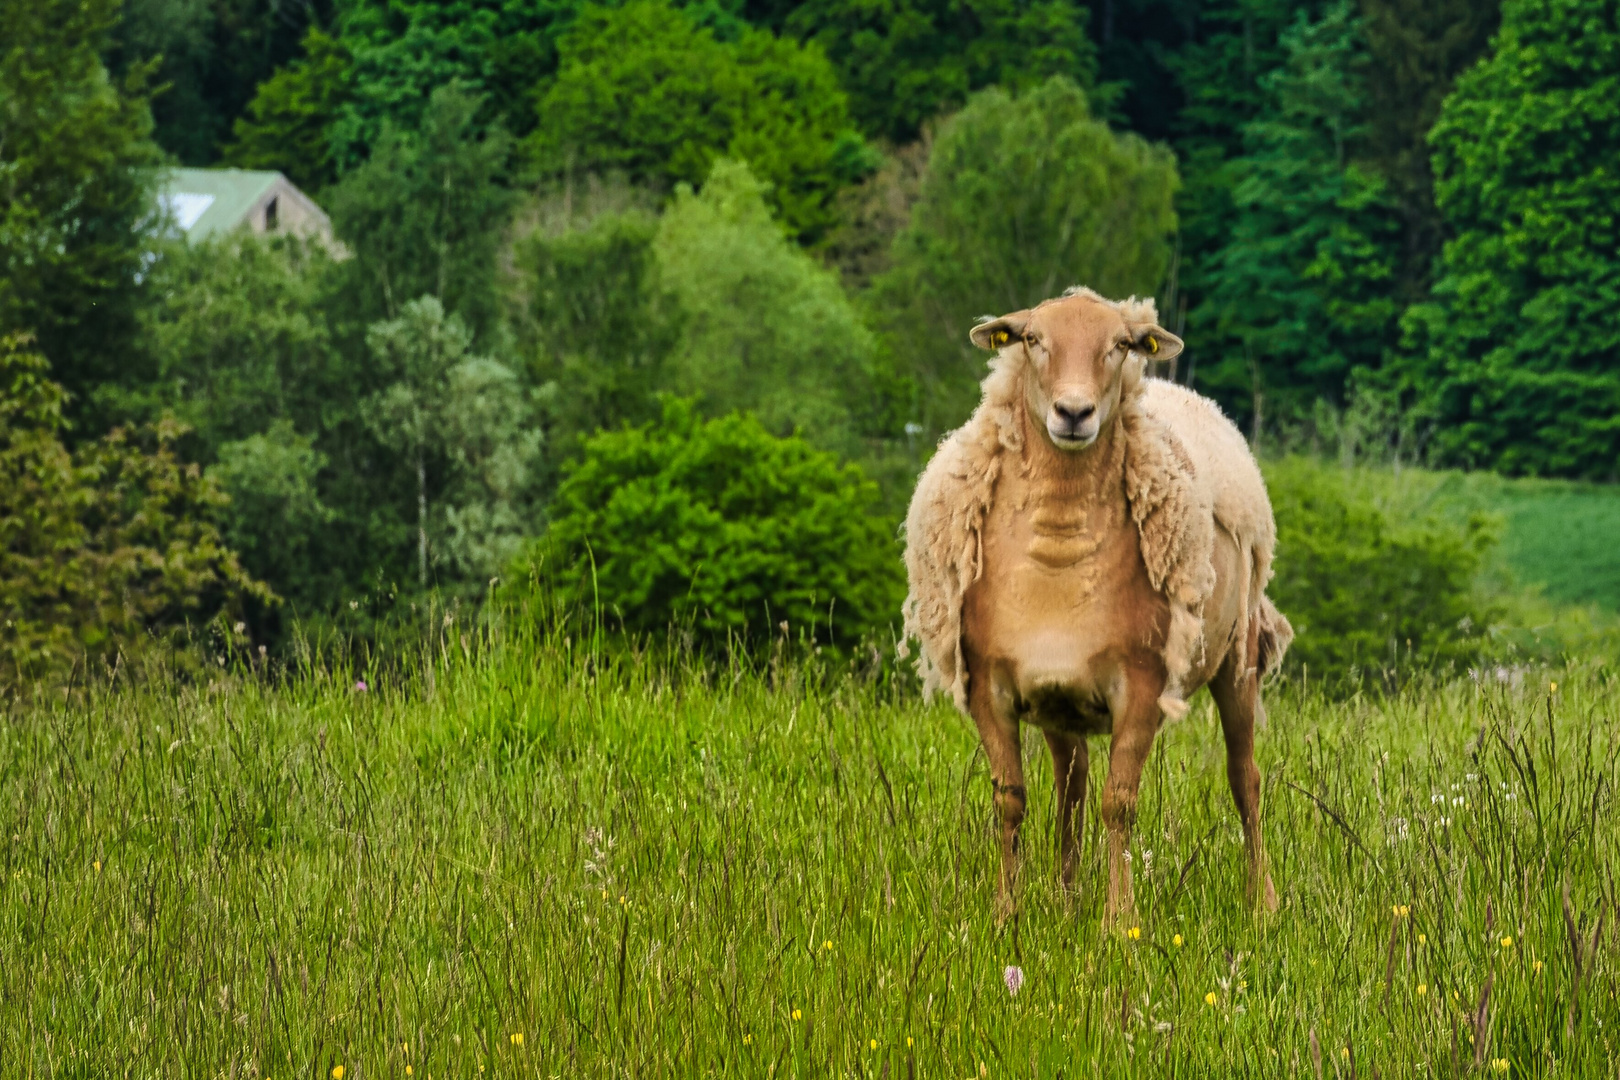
x=1227, y=475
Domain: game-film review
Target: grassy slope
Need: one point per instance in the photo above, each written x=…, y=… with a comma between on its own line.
x=1559, y=535
x=295, y=879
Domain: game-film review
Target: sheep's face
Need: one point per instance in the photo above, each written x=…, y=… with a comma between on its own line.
x=1083, y=356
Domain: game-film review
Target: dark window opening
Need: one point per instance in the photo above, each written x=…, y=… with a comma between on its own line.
x=271, y=215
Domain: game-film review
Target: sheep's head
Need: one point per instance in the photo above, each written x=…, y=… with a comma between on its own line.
x=1084, y=355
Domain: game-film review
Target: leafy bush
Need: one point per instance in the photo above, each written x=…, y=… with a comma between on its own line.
x=719, y=526
x=1364, y=585
x=103, y=551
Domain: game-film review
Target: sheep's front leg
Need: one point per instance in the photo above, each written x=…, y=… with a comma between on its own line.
x=998, y=731
x=1136, y=721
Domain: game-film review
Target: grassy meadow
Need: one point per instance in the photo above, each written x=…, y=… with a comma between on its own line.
x=523, y=858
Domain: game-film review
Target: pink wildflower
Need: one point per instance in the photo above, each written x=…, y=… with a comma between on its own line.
x=1014, y=978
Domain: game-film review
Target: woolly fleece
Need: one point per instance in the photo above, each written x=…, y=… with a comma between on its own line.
x=1174, y=504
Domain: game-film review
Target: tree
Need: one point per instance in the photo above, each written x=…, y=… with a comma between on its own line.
x=765, y=329
x=76, y=173
x=289, y=122
x=596, y=323
x=105, y=550
x=1301, y=293
x=424, y=215
x=1515, y=356
x=904, y=63
x=461, y=423
x=276, y=517
x=646, y=91
x=207, y=56
x=1024, y=197
x=719, y=527
x=404, y=49
x=251, y=350
x=1416, y=49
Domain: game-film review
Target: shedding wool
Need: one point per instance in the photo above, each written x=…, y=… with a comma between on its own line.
x=1175, y=506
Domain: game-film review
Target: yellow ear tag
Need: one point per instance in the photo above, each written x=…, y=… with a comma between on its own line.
x=1152, y=344
x=999, y=338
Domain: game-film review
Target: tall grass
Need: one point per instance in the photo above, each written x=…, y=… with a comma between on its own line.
x=519, y=856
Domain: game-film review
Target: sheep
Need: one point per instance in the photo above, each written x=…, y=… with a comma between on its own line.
x=1089, y=549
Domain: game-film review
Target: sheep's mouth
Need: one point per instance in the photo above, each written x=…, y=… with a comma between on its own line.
x=1073, y=440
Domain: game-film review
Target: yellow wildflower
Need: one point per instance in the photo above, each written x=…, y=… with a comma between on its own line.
x=1553, y=688
x=1537, y=967
x=748, y=1040
x=97, y=865
x=797, y=1014
x=1209, y=998
x=1507, y=943
x=407, y=1070
x=1500, y=1065
x=1423, y=939
x=517, y=1038
x=1423, y=988
x=337, y=1072
x=1176, y=941
x=908, y=1042
x=1134, y=933
x=827, y=945
x=871, y=1044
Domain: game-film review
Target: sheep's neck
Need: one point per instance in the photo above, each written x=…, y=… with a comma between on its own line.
x=1076, y=500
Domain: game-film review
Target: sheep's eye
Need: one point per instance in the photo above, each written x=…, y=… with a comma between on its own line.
x=1030, y=339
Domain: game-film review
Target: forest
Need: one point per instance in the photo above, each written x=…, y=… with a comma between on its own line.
x=661, y=306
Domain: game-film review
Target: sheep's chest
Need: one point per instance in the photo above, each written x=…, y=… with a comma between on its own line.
x=1063, y=602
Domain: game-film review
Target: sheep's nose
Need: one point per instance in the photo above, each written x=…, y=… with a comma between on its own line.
x=1073, y=413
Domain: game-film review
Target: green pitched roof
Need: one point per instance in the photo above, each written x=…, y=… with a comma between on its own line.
x=209, y=201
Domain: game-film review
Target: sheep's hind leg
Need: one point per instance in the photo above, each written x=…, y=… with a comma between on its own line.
x=1236, y=689
x=1136, y=721
x=999, y=735
x=1070, y=765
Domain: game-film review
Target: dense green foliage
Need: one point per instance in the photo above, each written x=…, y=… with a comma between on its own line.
x=288, y=125
x=1518, y=345
x=718, y=528
x=797, y=874
x=1024, y=196
x=646, y=90
x=1365, y=588
x=108, y=551
x=1301, y=291
x=424, y=214
x=764, y=328
x=75, y=191
x=905, y=64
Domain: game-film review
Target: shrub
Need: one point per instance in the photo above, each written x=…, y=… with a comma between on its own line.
x=1365, y=585
x=105, y=550
x=721, y=527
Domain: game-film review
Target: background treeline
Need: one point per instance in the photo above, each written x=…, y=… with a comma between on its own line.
x=661, y=306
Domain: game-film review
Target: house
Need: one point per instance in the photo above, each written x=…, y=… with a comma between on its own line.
x=211, y=202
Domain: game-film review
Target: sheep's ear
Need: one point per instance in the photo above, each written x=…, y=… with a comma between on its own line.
x=994, y=333
x=1155, y=342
